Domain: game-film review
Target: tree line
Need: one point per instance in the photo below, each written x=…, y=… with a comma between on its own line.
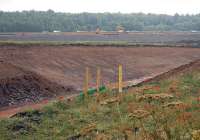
x=38, y=21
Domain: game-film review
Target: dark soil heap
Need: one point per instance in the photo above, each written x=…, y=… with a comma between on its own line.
x=18, y=86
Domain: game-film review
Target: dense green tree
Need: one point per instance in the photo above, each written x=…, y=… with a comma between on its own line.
x=38, y=21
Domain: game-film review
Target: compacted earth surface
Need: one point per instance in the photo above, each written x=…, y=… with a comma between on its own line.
x=148, y=37
x=31, y=73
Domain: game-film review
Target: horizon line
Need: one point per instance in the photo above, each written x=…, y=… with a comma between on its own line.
x=125, y=13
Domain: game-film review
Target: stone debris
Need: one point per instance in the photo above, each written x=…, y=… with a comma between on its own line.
x=110, y=101
x=139, y=114
x=196, y=135
x=88, y=129
x=173, y=104
x=149, y=97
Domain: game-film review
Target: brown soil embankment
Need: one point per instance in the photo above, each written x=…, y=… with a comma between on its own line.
x=32, y=73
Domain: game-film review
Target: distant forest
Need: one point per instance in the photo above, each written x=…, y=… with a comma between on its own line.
x=38, y=21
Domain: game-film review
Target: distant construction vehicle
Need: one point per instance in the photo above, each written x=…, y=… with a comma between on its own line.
x=120, y=29
x=98, y=30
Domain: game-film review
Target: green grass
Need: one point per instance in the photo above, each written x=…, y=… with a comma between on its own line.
x=118, y=43
x=63, y=43
x=97, y=117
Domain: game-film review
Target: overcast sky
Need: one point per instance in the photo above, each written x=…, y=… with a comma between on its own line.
x=124, y=6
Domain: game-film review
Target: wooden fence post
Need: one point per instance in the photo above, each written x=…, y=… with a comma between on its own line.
x=120, y=78
x=86, y=83
x=98, y=79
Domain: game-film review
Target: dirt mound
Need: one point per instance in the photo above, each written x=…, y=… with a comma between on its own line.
x=18, y=86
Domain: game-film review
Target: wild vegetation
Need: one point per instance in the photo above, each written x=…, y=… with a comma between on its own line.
x=160, y=110
x=37, y=21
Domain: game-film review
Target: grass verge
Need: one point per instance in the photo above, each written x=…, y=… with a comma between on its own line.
x=164, y=110
x=90, y=43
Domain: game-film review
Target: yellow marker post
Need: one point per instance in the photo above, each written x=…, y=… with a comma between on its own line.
x=120, y=78
x=98, y=79
x=86, y=82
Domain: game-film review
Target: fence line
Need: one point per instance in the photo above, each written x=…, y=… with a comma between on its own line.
x=118, y=84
